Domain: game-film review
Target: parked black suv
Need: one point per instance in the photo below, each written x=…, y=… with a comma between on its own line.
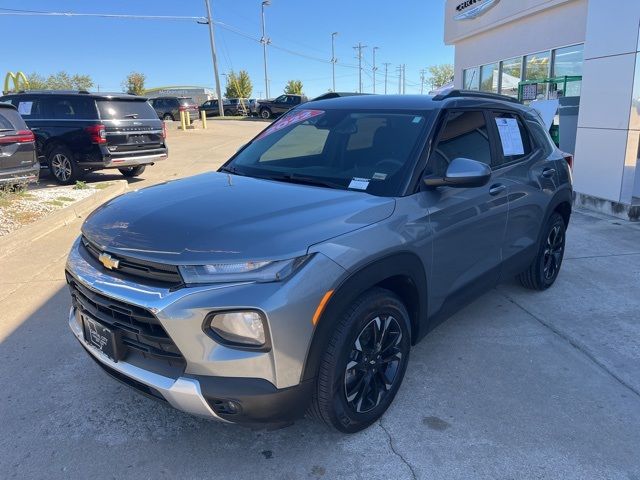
x=231, y=106
x=78, y=131
x=18, y=161
x=284, y=103
x=169, y=108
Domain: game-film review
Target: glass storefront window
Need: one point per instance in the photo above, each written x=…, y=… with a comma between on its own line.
x=489, y=78
x=537, y=68
x=510, y=76
x=471, y=79
x=568, y=62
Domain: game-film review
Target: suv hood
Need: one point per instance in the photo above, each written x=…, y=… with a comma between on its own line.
x=221, y=217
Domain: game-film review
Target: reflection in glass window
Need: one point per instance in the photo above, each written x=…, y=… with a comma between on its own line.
x=511, y=75
x=471, y=79
x=537, y=68
x=568, y=62
x=489, y=78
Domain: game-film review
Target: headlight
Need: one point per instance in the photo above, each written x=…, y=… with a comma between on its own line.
x=242, y=328
x=263, y=271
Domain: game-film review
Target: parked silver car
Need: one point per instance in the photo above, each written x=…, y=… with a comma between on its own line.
x=298, y=277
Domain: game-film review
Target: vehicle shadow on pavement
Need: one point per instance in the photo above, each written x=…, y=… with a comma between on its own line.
x=490, y=393
x=47, y=180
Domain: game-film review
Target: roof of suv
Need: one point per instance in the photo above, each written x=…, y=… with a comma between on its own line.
x=413, y=102
x=101, y=95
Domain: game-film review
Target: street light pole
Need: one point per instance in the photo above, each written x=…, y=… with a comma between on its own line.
x=265, y=41
x=214, y=58
x=333, y=59
x=374, y=68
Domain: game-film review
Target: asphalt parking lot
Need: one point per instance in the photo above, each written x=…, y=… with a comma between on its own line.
x=517, y=385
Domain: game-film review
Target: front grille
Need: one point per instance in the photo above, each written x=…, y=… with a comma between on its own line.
x=144, y=338
x=159, y=272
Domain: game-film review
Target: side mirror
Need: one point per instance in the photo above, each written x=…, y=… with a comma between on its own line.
x=462, y=172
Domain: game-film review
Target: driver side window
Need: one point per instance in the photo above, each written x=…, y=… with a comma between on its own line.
x=464, y=135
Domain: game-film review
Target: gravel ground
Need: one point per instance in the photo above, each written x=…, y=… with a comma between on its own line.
x=24, y=207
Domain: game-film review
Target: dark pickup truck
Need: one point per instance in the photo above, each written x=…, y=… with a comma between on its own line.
x=78, y=131
x=272, y=108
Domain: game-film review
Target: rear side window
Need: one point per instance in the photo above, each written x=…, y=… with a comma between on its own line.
x=465, y=135
x=68, y=108
x=125, y=109
x=28, y=107
x=11, y=120
x=514, y=140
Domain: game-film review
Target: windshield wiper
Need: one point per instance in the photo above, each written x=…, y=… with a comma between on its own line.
x=292, y=178
x=232, y=170
x=131, y=115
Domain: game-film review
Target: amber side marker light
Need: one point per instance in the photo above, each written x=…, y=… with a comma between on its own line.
x=320, y=309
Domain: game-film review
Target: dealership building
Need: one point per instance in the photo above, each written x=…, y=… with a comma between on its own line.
x=527, y=48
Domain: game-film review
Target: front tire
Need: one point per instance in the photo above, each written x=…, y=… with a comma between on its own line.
x=62, y=166
x=544, y=269
x=265, y=113
x=130, y=172
x=167, y=117
x=364, y=364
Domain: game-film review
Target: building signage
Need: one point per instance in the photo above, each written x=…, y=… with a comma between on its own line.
x=473, y=8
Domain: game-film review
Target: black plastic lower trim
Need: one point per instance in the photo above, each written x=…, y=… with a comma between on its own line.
x=259, y=401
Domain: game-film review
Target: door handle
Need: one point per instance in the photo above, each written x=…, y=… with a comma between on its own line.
x=497, y=188
x=548, y=172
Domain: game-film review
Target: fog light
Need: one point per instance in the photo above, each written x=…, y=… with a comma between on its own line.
x=241, y=328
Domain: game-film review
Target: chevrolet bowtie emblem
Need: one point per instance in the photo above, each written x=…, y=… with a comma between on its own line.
x=108, y=261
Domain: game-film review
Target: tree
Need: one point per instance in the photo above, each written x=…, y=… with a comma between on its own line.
x=134, y=83
x=293, y=87
x=440, y=75
x=59, y=81
x=238, y=85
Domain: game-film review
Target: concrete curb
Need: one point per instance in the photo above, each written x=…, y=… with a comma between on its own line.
x=59, y=218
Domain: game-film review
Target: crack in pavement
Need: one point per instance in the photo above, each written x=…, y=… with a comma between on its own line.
x=393, y=449
x=603, y=256
x=581, y=348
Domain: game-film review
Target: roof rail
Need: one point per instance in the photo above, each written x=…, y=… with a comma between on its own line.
x=475, y=94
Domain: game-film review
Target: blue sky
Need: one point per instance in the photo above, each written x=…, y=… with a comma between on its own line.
x=178, y=52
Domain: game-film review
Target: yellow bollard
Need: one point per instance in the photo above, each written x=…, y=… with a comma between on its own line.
x=183, y=124
x=203, y=117
x=187, y=117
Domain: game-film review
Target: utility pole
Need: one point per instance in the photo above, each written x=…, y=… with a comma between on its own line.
x=359, y=48
x=333, y=59
x=399, y=70
x=386, y=67
x=422, y=72
x=374, y=68
x=214, y=57
x=265, y=41
x=404, y=78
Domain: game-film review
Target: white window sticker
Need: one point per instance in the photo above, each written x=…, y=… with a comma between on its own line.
x=379, y=176
x=510, y=136
x=24, y=108
x=359, y=183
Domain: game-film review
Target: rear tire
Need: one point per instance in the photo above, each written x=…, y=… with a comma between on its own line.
x=544, y=269
x=132, y=171
x=63, y=167
x=364, y=363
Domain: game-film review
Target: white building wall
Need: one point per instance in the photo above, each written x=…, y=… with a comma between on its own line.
x=608, y=130
x=514, y=28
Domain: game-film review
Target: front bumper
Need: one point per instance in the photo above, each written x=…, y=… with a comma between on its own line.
x=265, y=385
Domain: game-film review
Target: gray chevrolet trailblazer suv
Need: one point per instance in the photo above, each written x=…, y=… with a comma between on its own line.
x=297, y=278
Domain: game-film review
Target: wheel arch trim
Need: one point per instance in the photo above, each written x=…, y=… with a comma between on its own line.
x=405, y=265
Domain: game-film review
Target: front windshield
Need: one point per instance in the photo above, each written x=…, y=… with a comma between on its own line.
x=370, y=151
